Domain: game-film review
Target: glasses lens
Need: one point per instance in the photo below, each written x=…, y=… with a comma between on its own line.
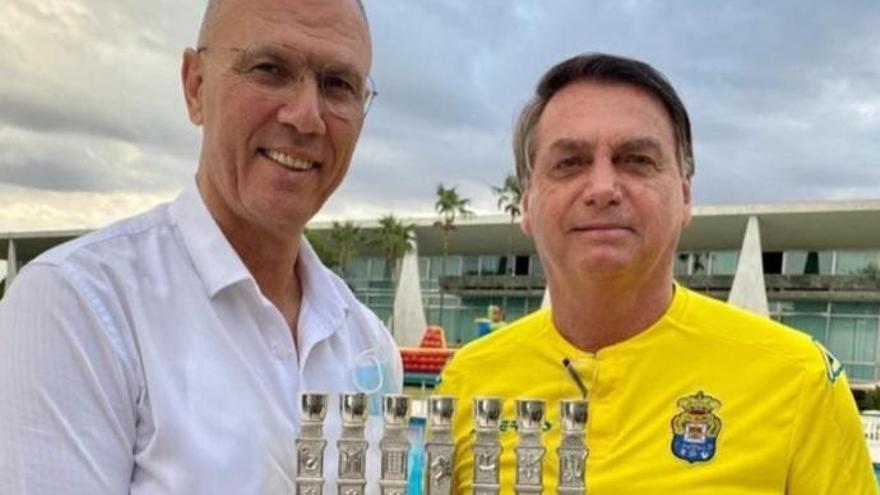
x=276, y=72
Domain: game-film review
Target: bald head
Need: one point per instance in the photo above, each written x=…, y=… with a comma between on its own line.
x=209, y=20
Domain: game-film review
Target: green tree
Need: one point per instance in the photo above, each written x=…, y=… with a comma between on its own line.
x=871, y=272
x=395, y=238
x=347, y=238
x=322, y=247
x=870, y=401
x=449, y=206
x=510, y=201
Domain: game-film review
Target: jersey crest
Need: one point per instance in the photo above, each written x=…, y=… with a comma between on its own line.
x=695, y=429
x=833, y=367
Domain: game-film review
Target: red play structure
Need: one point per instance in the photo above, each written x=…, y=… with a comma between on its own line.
x=431, y=354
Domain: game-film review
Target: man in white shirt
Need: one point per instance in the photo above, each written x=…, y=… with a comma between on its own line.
x=165, y=354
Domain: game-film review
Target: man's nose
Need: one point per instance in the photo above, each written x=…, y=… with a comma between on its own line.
x=303, y=106
x=602, y=184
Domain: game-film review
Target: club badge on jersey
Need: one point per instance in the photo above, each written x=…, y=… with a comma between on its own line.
x=833, y=367
x=695, y=429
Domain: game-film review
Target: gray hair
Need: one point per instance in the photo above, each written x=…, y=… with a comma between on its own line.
x=600, y=67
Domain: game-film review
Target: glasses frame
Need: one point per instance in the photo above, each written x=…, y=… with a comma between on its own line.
x=369, y=96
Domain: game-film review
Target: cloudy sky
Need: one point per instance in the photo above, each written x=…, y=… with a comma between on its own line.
x=784, y=97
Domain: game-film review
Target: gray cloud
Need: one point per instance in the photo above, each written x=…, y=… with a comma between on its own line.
x=783, y=95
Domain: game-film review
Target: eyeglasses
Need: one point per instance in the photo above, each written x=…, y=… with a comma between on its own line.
x=274, y=71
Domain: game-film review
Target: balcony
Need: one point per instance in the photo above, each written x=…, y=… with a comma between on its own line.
x=865, y=288
x=507, y=285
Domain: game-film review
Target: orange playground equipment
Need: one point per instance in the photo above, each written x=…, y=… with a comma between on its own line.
x=431, y=354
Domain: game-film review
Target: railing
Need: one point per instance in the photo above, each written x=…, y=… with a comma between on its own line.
x=871, y=425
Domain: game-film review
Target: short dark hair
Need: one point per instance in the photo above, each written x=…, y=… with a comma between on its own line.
x=604, y=68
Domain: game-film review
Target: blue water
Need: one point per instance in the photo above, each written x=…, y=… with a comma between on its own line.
x=416, y=456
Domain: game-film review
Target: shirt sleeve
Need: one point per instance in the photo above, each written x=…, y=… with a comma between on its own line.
x=67, y=401
x=828, y=450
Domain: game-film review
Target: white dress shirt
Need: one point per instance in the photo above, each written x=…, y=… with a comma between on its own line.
x=142, y=358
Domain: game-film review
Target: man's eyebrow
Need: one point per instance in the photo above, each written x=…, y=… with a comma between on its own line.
x=640, y=144
x=572, y=145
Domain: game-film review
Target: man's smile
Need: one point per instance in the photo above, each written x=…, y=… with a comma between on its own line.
x=289, y=161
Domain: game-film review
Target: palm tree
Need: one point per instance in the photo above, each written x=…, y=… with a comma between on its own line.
x=346, y=238
x=448, y=206
x=326, y=252
x=510, y=201
x=395, y=238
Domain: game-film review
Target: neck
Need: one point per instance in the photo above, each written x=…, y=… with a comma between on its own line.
x=269, y=255
x=594, y=314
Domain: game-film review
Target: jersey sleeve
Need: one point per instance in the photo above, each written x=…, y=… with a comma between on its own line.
x=67, y=404
x=828, y=449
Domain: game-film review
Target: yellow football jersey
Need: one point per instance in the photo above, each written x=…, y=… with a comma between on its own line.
x=708, y=400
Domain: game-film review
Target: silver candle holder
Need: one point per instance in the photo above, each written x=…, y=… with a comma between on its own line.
x=487, y=445
x=310, y=444
x=394, y=444
x=440, y=448
x=572, y=449
x=530, y=449
x=352, y=444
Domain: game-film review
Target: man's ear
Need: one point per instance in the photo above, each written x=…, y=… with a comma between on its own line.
x=191, y=76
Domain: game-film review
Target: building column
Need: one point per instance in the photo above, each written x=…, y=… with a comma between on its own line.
x=408, y=319
x=748, y=290
x=11, y=264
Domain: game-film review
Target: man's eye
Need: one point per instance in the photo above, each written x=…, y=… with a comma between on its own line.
x=267, y=68
x=266, y=73
x=336, y=85
x=569, y=162
x=641, y=160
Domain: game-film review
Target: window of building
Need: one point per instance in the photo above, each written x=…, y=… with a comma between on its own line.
x=377, y=300
x=853, y=340
x=358, y=268
x=535, y=265
x=379, y=269
x=453, y=265
x=723, y=262
x=858, y=262
x=848, y=329
x=699, y=263
x=521, y=265
x=772, y=261
x=855, y=308
x=807, y=262
x=814, y=326
x=436, y=267
x=471, y=265
x=489, y=264
x=682, y=264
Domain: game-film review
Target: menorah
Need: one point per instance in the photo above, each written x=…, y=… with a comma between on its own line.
x=437, y=472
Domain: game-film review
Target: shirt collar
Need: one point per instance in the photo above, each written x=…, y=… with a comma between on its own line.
x=214, y=259
x=219, y=266
x=320, y=294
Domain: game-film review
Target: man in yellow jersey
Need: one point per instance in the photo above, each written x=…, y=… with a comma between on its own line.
x=687, y=395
